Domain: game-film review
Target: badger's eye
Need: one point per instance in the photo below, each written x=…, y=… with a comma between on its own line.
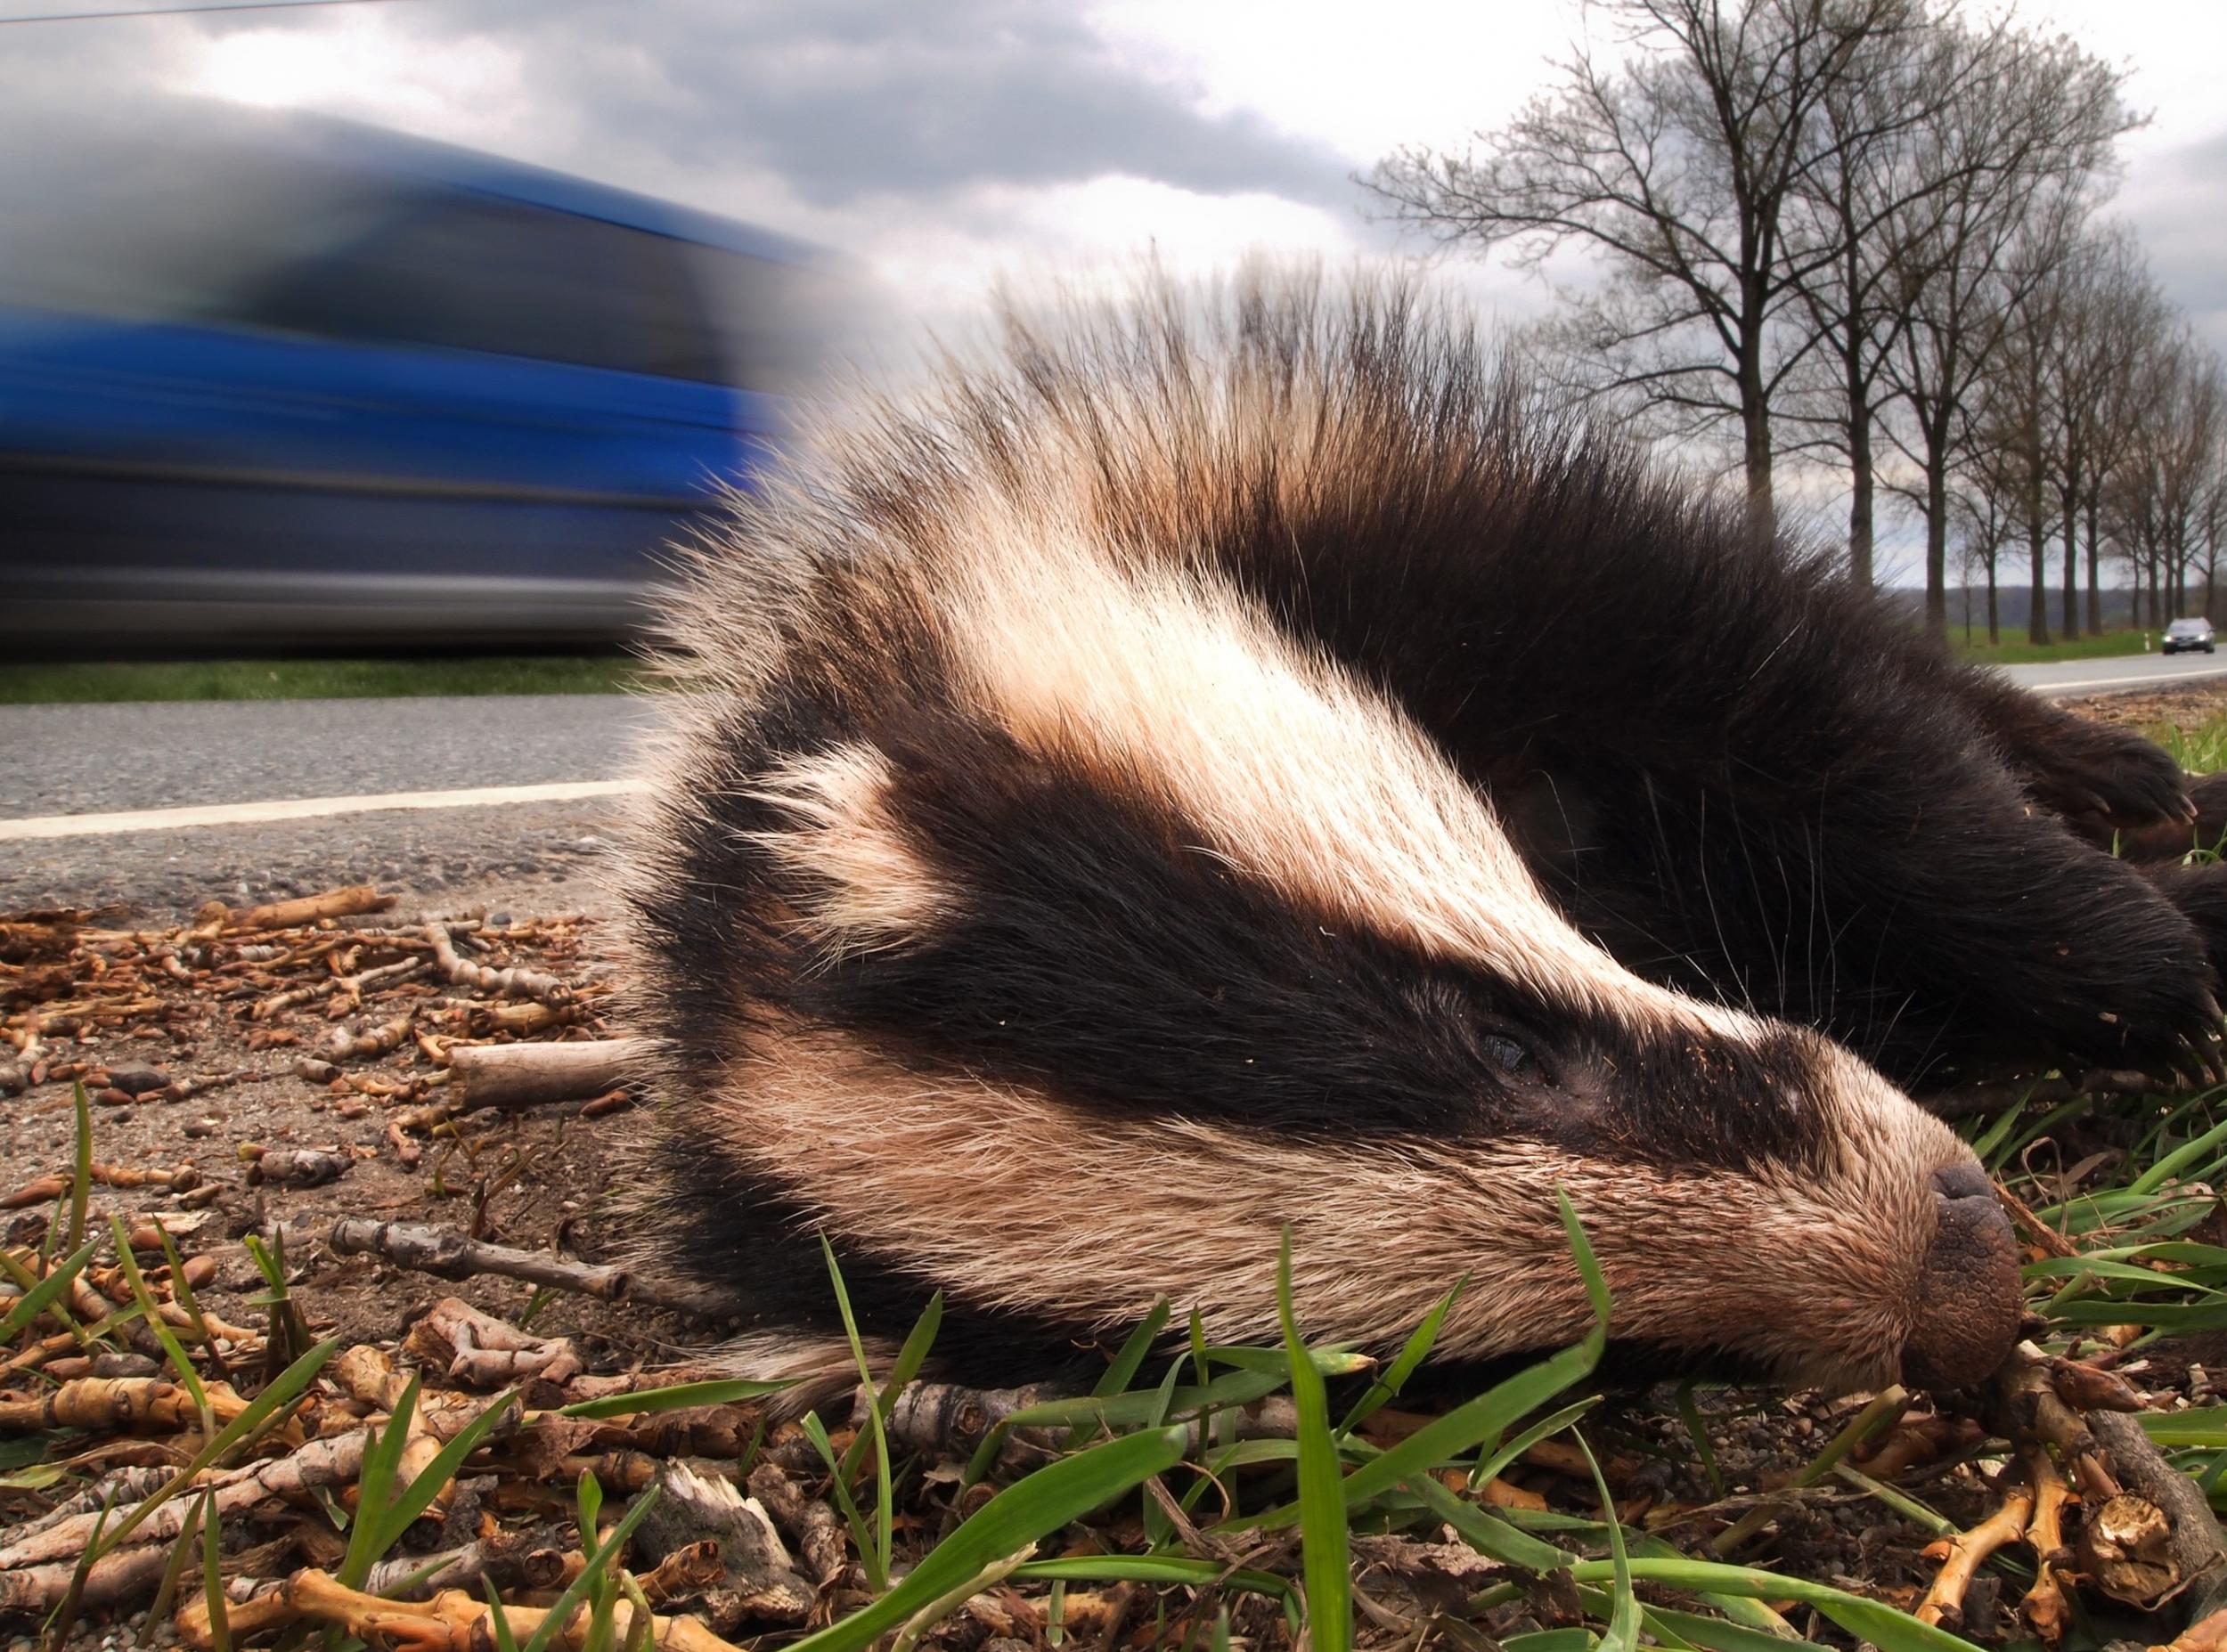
x=1509, y=1056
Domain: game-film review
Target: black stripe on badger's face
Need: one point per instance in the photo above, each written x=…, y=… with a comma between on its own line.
x=1007, y=916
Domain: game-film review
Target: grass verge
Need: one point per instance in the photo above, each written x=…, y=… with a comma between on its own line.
x=109, y=681
x=2018, y=651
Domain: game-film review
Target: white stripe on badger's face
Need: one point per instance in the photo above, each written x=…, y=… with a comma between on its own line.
x=993, y=1192
x=1292, y=771
x=860, y=885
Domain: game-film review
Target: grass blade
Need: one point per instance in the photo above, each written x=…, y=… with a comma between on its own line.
x=1622, y=1634
x=1418, y=1348
x=81, y=1170
x=277, y=1394
x=417, y=1496
x=36, y=1299
x=1325, y=1553
x=1025, y=1512
x=599, y=1564
x=678, y=1396
x=213, y=1578
x=1141, y=1341
x=375, y=1486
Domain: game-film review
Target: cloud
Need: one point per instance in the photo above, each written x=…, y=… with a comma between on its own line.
x=2176, y=200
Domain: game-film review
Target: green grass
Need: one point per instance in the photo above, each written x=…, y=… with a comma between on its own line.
x=2201, y=750
x=2018, y=651
x=81, y=681
x=2141, y=1212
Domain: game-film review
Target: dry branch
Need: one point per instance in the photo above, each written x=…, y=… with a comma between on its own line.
x=2045, y=1609
x=112, y=1404
x=448, y=1253
x=450, y=1622
x=484, y=1351
x=2197, y=1551
x=528, y=1075
x=381, y=1040
x=339, y=903
x=514, y=983
x=113, y=1578
x=321, y=1462
x=1962, y=1554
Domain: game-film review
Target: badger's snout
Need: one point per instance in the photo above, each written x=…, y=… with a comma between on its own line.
x=1968, y=1289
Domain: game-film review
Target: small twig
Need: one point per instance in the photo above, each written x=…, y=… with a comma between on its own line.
x=514, y=982
x=526, y=1075
x=1963, y=1556
x=2044, y=1609
x=448, y=1253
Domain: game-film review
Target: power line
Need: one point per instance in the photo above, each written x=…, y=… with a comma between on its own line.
x=182, y=10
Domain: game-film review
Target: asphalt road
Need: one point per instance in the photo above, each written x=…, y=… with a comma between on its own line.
x=70, y=760
x=74, y=760
x=84, y=759
x=2133, y=671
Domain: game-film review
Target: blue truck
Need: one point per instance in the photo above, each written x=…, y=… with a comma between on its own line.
x=318, y=385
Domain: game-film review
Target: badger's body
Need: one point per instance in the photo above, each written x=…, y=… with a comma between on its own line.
x=1200, y=774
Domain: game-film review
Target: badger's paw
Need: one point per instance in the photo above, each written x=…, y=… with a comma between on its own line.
x=2105, y=781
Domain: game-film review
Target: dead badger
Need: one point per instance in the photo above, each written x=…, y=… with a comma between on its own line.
x=1235, y=763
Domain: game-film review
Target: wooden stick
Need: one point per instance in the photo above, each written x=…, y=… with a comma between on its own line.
x=338, y=903
x=450, y=1622
x=2044, y=1609
x=528, y=1075
x=321, y=1462
x=447, y=1254
x=1963, y=1555
x=518, y=982
x=2196, y=1546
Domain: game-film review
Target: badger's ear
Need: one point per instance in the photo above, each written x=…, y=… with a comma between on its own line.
x=856, y=880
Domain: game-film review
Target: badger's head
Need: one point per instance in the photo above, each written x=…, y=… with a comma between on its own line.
x=1050, y=926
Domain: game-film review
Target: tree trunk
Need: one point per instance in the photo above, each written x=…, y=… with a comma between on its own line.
x=1994, y=624
x=1860, y=493
x=1937, y=548
x=1754, y=434
x=2095, y=583
x=2072, y=570
x=2036, y=552
x=1762, y=511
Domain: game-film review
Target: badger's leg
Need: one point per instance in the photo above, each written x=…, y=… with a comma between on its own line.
x=2174, y=839
x=2199, y=891
x=1912, y=903
x=2101, y=779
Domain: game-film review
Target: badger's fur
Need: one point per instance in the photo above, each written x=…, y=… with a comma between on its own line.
x=1238, y=762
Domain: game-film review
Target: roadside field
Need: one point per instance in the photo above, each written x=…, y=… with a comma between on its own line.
x=97, y=681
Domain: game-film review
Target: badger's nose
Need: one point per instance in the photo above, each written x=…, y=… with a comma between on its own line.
x=1968, y=1312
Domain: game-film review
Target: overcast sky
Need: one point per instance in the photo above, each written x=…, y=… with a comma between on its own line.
x=943, y=143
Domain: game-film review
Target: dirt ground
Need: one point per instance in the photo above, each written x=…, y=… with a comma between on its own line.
x=544, y=1179
x=535, y=1179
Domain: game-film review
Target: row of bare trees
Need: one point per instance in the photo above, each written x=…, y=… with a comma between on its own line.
x=1862, y=234
x=2101, y=433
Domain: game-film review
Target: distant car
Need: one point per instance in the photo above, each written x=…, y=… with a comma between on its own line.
x=2188, y=636
x=318, y=384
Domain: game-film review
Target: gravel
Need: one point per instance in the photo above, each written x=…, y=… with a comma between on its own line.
x=162, y=876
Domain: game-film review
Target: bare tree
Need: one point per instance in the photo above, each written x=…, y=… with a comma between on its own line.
x=2116, y=319
x=2028, y=143
x=1870, y=180
x=1679, y=168
x=2021, y=409
x=2162, y=500
x=1982, y=531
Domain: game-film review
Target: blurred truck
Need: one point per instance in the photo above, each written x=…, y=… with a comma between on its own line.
x=278, y=382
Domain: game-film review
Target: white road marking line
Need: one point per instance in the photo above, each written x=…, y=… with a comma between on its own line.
x=301, y=808
x=2126, y=682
